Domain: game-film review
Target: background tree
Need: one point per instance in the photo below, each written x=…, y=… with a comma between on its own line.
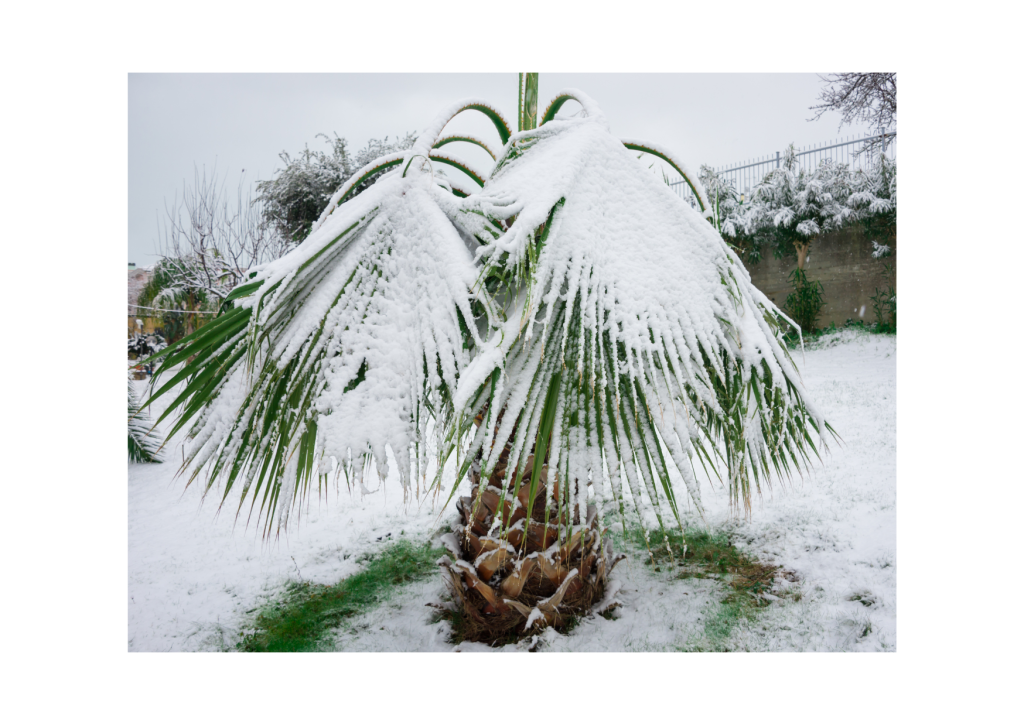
x=300, y=191
x=873, y=199
x=867, y=97
x=211, y=239
x=179, y=284
x=790, y=208
x=728, y=214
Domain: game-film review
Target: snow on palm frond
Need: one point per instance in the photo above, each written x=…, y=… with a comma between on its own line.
x=637, y=337
x=603, y=323
x=337, y=350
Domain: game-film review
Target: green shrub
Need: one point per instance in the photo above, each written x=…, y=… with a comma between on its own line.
x=804, y=304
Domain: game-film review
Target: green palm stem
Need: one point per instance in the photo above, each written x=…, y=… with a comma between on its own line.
x=529, y=83
x=692, y=183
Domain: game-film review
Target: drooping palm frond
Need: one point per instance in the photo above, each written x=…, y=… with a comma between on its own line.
x=465, y=139
x=692, y=180
x=340, y=349
x=143, y=444
x=637, y=340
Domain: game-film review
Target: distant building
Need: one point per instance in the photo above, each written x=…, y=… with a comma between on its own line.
x=137, y=279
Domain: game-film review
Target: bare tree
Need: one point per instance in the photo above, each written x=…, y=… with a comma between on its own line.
x=868, y=97
x=211, y=239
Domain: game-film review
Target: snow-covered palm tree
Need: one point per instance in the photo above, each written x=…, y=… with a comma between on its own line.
x=566, y=327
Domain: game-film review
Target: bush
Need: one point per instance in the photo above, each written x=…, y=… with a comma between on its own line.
x=804, y=304
x=884, y=304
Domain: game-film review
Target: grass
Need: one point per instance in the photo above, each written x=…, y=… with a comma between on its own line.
x=302, y=620
x=747, y=582
x=304, y=617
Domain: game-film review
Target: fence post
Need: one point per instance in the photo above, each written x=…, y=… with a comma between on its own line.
x=776, y=160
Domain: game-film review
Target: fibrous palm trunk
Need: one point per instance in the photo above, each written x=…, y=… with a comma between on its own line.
x=514, y=574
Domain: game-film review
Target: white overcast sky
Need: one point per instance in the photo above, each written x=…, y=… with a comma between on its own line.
x=236, y=122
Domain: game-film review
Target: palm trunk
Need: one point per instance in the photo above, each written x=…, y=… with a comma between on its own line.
x=514, y=573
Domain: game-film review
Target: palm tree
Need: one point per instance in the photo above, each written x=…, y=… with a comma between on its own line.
x=568, y=325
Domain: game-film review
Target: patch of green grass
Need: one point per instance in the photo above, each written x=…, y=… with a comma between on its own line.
x=719, y=624
x=711, y=555
x=303, y=618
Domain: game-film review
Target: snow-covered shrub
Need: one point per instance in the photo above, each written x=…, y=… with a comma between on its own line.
x=144, y=346
x=728, y=214
x=299, y=192
x=143, y=444
x=179, y=286
x=790, y=208
x=873, y=199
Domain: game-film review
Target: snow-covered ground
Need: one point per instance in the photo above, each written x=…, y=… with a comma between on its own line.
x=194, y=576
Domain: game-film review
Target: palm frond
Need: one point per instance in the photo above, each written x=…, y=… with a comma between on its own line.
x=143, y=444
x=466, y=139
x=692, y=180
x=334, y=352
x=637, y=341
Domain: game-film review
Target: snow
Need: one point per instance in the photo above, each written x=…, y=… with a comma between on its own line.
x=535, y=615
x=194, y=576
x=382, y=281
x=347, y=186
x=637, y=267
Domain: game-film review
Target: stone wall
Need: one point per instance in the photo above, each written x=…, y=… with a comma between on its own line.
x=842, y=262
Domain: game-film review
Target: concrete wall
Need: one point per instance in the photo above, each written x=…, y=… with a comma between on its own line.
x=842, y=262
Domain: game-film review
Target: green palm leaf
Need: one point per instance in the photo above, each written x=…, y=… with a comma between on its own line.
x=636, y=319
x=336, y=351
x=143, y=445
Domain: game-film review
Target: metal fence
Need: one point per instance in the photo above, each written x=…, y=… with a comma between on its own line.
x=747, y=174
